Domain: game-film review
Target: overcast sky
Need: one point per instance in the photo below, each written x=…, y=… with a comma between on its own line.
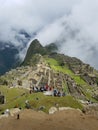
x=72, y=24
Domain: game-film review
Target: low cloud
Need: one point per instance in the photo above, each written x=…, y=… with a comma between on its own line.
x=72, y=25
x=76, y=33
x=30, y=16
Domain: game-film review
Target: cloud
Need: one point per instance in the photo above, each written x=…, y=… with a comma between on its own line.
x=31, y=16
x=76, y=33
x=72, y=25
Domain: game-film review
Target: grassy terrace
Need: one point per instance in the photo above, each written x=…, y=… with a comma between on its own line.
x=16, y=97
x=64, y=69
x=54, y=64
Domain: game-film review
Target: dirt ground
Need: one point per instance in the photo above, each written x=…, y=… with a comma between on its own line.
x=63, y=120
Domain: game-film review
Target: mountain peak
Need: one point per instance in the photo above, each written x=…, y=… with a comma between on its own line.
x=36, y=40
x=36, y=48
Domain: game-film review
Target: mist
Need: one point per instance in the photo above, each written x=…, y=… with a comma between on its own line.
x=72, y=25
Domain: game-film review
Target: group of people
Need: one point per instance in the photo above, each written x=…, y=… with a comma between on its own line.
x=58, y=93
x=41, y=88
x=47, y=88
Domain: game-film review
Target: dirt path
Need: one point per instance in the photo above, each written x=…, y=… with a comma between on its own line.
x=64, y=120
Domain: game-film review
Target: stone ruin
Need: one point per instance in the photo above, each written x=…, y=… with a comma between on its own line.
x=42, y=74
x=2, y=99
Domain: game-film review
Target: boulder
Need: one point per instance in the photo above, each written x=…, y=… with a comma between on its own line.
x=14, y=111
x=65, y=108
x=7, y=112
x=52, y=110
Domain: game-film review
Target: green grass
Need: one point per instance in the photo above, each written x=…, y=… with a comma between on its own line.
x=64, y=69
x=49, y=101
x=55, y=66
x=79, y=80
x=11, y=93
x=65, y=88
x=14, y=99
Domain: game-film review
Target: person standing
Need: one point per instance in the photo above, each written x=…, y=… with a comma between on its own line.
x=18, y=116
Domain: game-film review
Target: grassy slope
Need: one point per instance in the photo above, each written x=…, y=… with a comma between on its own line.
x=14, y=99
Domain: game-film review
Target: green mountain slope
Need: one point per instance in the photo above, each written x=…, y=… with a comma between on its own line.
x=43, y=65
x=36, y=48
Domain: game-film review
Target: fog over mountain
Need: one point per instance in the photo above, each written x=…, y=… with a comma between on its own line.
x=71, y=24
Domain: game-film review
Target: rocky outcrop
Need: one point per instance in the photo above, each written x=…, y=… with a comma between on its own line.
x=2, y=99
